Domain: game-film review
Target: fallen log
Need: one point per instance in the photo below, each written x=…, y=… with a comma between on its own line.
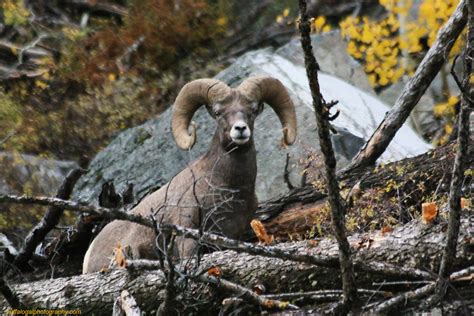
x=413, y=245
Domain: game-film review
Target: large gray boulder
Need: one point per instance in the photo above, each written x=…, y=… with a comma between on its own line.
x=147, y=156
x=29, y=174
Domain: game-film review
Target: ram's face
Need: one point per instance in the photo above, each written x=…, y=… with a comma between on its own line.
x=235, y=118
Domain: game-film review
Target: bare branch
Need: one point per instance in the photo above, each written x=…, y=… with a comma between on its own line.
x=246, y=294
x=100, y=6
x=77, y=207
x=323, y=294
x=461, y=159
x=426, y=290
x=8, y=293
x=48, y=222
x=321, y=109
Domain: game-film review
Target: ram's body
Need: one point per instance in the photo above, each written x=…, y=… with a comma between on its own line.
x=216, y=192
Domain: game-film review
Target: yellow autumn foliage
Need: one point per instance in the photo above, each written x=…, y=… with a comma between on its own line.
x=14, y=12
x=380, y=45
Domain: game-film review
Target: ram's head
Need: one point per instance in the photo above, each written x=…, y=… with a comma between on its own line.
x=234, y=110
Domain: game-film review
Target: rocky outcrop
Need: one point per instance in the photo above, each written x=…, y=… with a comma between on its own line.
x=30, y=174
x=147, y=156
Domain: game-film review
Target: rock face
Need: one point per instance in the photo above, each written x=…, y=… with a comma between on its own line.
x=148, y=157
x=26, y=174
x=31, y=175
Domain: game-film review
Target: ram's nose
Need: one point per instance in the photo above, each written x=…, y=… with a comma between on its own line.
x=240, y=132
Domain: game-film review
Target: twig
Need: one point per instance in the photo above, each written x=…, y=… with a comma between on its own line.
x=7, y=137
x=460, y=161
x=286, y=173
x=418, y=293
x=48, y=222
x=111, y=8
x=321, y=109
x=166, y=308
x=462, y=273
x=463, y=89
x=77, y=207
x=9, y=295
x=411, y=94
x=322, y=294
x=246, y=294
x=400, y=283
x=395, y=301
x=30, y=46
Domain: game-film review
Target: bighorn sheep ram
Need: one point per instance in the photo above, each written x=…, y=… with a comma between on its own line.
x=216, y=192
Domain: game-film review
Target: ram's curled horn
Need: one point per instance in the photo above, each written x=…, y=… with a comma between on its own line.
x=190, y=98
x=274, y=93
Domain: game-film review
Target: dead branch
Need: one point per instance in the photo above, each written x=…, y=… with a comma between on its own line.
x=246, y=294
x=414, y=89
x=100, y=6
x=337, y=207
x=48, y=222
x=29, y=50
x=405, y=297
x=323, y=294
x=9, y=295
x=426, y=290
x=77, y=207
x=166, y=308
x=461, y=159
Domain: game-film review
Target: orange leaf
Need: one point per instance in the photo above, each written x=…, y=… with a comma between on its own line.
x=429, y=211
x=104, y=269
x=259, y=289
x=312, y=243
x=214, y=271
x=120, y=256
x=261, y=232
x=465, y=203
x=386, y=229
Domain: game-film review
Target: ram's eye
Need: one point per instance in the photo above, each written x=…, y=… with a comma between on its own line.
x=217, y=113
